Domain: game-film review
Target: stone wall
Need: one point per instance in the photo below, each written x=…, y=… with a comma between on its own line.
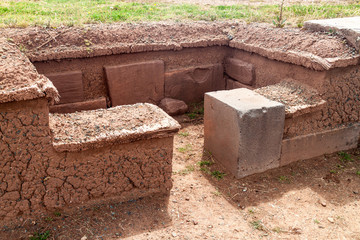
x=35, y=177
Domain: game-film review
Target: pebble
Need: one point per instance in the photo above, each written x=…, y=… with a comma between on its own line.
x=323, y=203
x=330, y=219
x=173, y=234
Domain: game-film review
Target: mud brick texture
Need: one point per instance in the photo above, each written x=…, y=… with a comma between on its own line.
x=243, y=130
x=69, y=85
x=35, y=178
x=190, y=84
x=136, y=83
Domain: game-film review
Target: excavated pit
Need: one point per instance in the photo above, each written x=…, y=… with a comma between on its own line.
x=103, y=66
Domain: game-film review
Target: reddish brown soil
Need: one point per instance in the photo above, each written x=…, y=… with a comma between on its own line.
x=312, y=199
x=95, y=40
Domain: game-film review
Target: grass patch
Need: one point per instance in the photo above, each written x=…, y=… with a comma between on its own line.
x=187, y=148
x=217, y=174
x=284, y=179
x=53, y=13
x=40, y=236
x=183, y=134
x=188, y=169
x=205, y=163
x=345, y=157
x=258, y=225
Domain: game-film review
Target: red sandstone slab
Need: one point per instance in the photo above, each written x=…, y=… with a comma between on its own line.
x=191, y=84
x=317, y=144
x=240, y=71
x=69, y=84
x=232, y=84
x=136, y=83
x=79, y=106
x=104, y=127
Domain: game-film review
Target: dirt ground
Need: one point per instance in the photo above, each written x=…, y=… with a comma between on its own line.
x=312, y=199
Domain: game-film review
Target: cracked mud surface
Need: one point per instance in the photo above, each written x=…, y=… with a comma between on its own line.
x=312, y=199
x=35, y=178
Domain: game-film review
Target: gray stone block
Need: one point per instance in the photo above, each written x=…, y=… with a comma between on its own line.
x=243, y=130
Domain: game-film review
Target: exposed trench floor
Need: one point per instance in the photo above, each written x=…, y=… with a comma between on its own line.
x=312, y=199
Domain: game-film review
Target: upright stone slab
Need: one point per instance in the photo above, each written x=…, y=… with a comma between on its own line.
x=232, y=84
x=136, y=83
x=69, y=84
x=191, y=84
x=243, y=130
x=240, y=71
x=348, y=27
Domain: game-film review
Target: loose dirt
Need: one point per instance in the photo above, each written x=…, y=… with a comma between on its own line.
x=312, y=199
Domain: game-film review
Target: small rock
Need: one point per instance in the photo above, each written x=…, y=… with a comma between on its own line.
x=84, y=238
x=330, y=219
x=173, y=106
x=195, y=222
x=323, y=203
x=173, y=234
x=187, y=199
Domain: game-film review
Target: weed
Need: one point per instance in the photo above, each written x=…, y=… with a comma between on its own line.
x=277, y=229
x=280, y=22
x=57, y=214
x=333, y=171
x=345, y=157
x=258, y=225
x=187, y=148
x=22, y=48
x=196, y=110
x=205, y=163
x=252, y=211
x=217, y=193
x=40, y=236
x=358, y=173
x=316, y=221
x=284, y=179
x=188, y=169
x=217, y=174
x=205, y=170
x=183, y=134
x=49, y=219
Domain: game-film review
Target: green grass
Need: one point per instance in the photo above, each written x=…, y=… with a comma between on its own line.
x=53, y=13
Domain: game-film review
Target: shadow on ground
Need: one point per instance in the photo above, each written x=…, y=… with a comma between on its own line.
x=335, y=177
x=98, y=221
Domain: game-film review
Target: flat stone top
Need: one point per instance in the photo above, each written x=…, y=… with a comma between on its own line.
x=315, y=50
x=297, y=98
x=341, y=23
x=98, y=128
x=19, y=79
x=348, y=27
x=242, y=99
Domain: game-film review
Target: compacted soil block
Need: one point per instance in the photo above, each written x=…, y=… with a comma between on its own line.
x=243, y=130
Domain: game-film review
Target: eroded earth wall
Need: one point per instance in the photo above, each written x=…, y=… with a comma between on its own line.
x=35, y=178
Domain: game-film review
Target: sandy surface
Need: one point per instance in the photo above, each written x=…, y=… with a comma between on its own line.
x=312, y=199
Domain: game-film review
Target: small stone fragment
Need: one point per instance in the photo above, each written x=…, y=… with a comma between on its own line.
x=323, y=203
x=330, y=219
x=173, y=106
